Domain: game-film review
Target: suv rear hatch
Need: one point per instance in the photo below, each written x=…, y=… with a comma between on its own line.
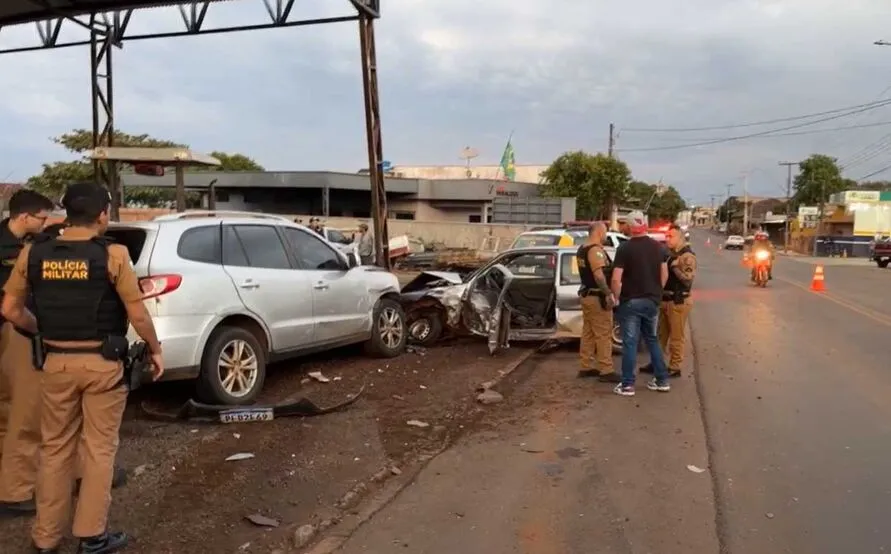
x=139, y=238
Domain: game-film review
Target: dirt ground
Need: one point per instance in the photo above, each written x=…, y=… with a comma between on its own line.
x=184, y=497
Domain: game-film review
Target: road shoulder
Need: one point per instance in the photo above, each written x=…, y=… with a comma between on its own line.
x=563, y=466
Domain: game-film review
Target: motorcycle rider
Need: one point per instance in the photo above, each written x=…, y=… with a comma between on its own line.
x=762, y=242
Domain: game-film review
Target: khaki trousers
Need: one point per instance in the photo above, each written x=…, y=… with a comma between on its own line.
x=83, y=401
x=20, y=453
x=673, y=331
x=5, y=385
x=597, y=329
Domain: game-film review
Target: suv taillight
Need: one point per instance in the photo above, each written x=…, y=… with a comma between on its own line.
x=157, y=285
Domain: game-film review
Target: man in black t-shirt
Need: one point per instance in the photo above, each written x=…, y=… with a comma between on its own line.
x=639, y=275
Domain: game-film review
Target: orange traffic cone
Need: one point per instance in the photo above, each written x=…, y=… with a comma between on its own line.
x=817, y=283
x=708, y=241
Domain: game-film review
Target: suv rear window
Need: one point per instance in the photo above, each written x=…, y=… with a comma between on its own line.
x=133, y=239
x=201, y=244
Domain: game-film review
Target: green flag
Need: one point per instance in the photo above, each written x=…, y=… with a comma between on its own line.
x=507, y=162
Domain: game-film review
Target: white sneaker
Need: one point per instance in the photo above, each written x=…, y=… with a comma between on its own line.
x=624, y=390
x=652, y=384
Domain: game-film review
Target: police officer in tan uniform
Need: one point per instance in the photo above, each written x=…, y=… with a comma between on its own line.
x=597, y=307
x=84, y=291
x=676, y=302
x=28, y=212
x=20, y=448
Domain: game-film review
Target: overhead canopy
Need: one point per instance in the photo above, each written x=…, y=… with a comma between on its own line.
x=159, y=156
x=14, y=12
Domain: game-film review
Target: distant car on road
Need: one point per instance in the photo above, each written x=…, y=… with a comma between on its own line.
x=231, y=291
x=734, y=242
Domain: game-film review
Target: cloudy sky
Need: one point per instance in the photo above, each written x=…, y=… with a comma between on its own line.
x=464, y=72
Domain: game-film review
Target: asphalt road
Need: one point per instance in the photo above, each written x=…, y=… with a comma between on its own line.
x=796, y=393
x=795, y=404
x=563, y=466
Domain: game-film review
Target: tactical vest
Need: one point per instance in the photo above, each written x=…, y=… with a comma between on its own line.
x=73, y=296
x=10, y=247
x=585, y=272
x=674, y=284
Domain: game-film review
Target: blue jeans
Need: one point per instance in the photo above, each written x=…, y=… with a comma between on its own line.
x=638, y=319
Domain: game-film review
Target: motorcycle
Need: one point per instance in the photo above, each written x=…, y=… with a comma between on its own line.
x=759, y=271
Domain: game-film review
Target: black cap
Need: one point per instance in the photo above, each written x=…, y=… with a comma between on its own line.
x=85, y=189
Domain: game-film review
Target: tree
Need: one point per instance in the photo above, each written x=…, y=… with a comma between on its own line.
x=596, y=181
x=56, y=176
x=659, y=202
x=729, y=207
x=667, y=205
x=819, y=177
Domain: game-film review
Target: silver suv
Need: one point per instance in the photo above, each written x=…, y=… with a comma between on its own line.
x=231, y=291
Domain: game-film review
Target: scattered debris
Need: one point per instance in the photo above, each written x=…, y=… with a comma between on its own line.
x=236, y=435
x=338, y=378
x=695, y=469
x=240, y=456
x=423, y=387
x=416, y=423
x=304, y=534
x=415, y=349
x=262, y=521
x=769, y=515
x=489, y=396
x=139, y=470
x=395, y=470
x=532, y=450
x=317, y=375
x=397, y=397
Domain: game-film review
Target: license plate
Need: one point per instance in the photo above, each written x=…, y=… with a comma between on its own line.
x=246, y=415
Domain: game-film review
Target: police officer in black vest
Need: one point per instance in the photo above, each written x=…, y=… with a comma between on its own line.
x=598, y=301
x=84, y=290
x=676, y=302
x=28, y=212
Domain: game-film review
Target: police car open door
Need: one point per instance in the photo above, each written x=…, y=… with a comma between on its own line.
x=484, y=311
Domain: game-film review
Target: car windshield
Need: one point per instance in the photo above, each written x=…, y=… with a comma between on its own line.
x=337, y=236
x=526, y=241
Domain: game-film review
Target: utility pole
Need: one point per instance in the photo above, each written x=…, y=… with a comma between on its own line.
x=745, y=205
x=612, y=140
x=614, y=208
x=727, y=209
x=713, y=196
x=820, y=220
x=788, y=202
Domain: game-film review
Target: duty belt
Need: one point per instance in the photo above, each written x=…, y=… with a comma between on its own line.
x=590, y=292
x=51, y=349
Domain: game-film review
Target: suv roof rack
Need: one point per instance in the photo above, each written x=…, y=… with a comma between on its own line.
x=218, y=213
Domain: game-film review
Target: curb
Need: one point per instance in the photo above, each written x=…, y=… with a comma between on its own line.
x=510, y=368
x=391, y=482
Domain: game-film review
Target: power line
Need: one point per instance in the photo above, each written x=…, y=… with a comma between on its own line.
x=874, y=103
x=761, y=133
x=794, y=133
x=874, y=173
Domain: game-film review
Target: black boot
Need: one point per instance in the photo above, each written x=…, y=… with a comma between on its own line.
x=105, y=543
x=16, y=509
x=119, y=479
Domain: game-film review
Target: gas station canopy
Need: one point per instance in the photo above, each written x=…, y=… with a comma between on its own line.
x=15, y=12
